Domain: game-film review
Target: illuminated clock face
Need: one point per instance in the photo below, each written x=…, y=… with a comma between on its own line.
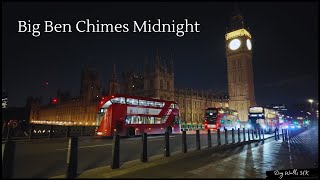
x=249, y=45
x=234, y=44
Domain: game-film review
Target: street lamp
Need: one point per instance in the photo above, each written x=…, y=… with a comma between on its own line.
x=310, y=101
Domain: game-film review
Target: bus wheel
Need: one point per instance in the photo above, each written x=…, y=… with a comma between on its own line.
x=131, y=132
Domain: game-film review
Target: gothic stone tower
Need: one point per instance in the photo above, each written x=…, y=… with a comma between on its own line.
x=114, y=86
x=90, y=84
x=159, y=78
x=239, y=66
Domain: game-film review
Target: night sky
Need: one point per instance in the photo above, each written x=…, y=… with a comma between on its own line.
x=285, y=47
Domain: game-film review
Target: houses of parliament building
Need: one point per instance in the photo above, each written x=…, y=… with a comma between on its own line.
x=155, y=81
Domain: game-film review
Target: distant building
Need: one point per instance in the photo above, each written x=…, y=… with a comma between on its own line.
x=65, y=110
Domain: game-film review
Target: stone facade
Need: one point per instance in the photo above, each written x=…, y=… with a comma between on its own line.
x=71, y=111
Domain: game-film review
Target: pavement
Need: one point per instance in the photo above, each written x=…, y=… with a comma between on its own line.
x=239, y=160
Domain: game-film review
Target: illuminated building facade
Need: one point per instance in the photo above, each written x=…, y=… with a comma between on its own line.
x=157, y=81
x=239, y=66
x=65, y=110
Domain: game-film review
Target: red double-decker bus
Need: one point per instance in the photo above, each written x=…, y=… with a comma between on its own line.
x=223, y=118
x=132, y=115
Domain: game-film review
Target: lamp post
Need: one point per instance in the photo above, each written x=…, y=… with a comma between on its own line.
x=310, y=101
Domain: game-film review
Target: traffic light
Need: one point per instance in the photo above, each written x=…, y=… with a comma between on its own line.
x=54, y=101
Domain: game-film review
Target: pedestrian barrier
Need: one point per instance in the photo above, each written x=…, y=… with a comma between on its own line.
x=8, y=152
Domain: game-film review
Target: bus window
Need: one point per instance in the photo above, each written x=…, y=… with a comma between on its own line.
x=176, y=120
x=128, y=120
x=164, y=119
x=142, y=102
x=132, y=101
x=150, y=103
x=116, y=100
x=159, y=104
x=148, y=120
x=102, y=110
x=157, y=120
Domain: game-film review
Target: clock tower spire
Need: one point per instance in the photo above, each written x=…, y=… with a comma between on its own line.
x=239, y=65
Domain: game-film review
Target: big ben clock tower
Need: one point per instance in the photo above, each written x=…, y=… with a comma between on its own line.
x=239, y=66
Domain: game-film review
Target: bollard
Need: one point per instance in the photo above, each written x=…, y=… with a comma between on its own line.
x=82, y=130
x=198, y=140
x=184, y=141
x=115, y=162
x=144, y=147
x=8, y=159
x=72, y=158
x=167, y=144
x=209, y=139
x=225, y=136
x=275, y=134
x=232, y=134
x=282, y=135
x=244, y=135
x=31, y=132
x=239, y=139
x=259, y=134
x=263, y=134
x=286, y=134
x=218, y=137
x=252, y=133
x=8, y=133
x=256, y=132
x=278, y=134
x=51, y=132
x=68, y=131
x=248, y=134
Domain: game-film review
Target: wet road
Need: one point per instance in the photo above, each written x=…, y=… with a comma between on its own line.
x=47, y=158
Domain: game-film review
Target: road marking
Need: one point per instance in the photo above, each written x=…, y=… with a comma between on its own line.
x=86, y=146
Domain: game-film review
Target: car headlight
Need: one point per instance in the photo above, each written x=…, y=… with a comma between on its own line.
x=248, y=125
x=286, y=127
x=264, y=126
